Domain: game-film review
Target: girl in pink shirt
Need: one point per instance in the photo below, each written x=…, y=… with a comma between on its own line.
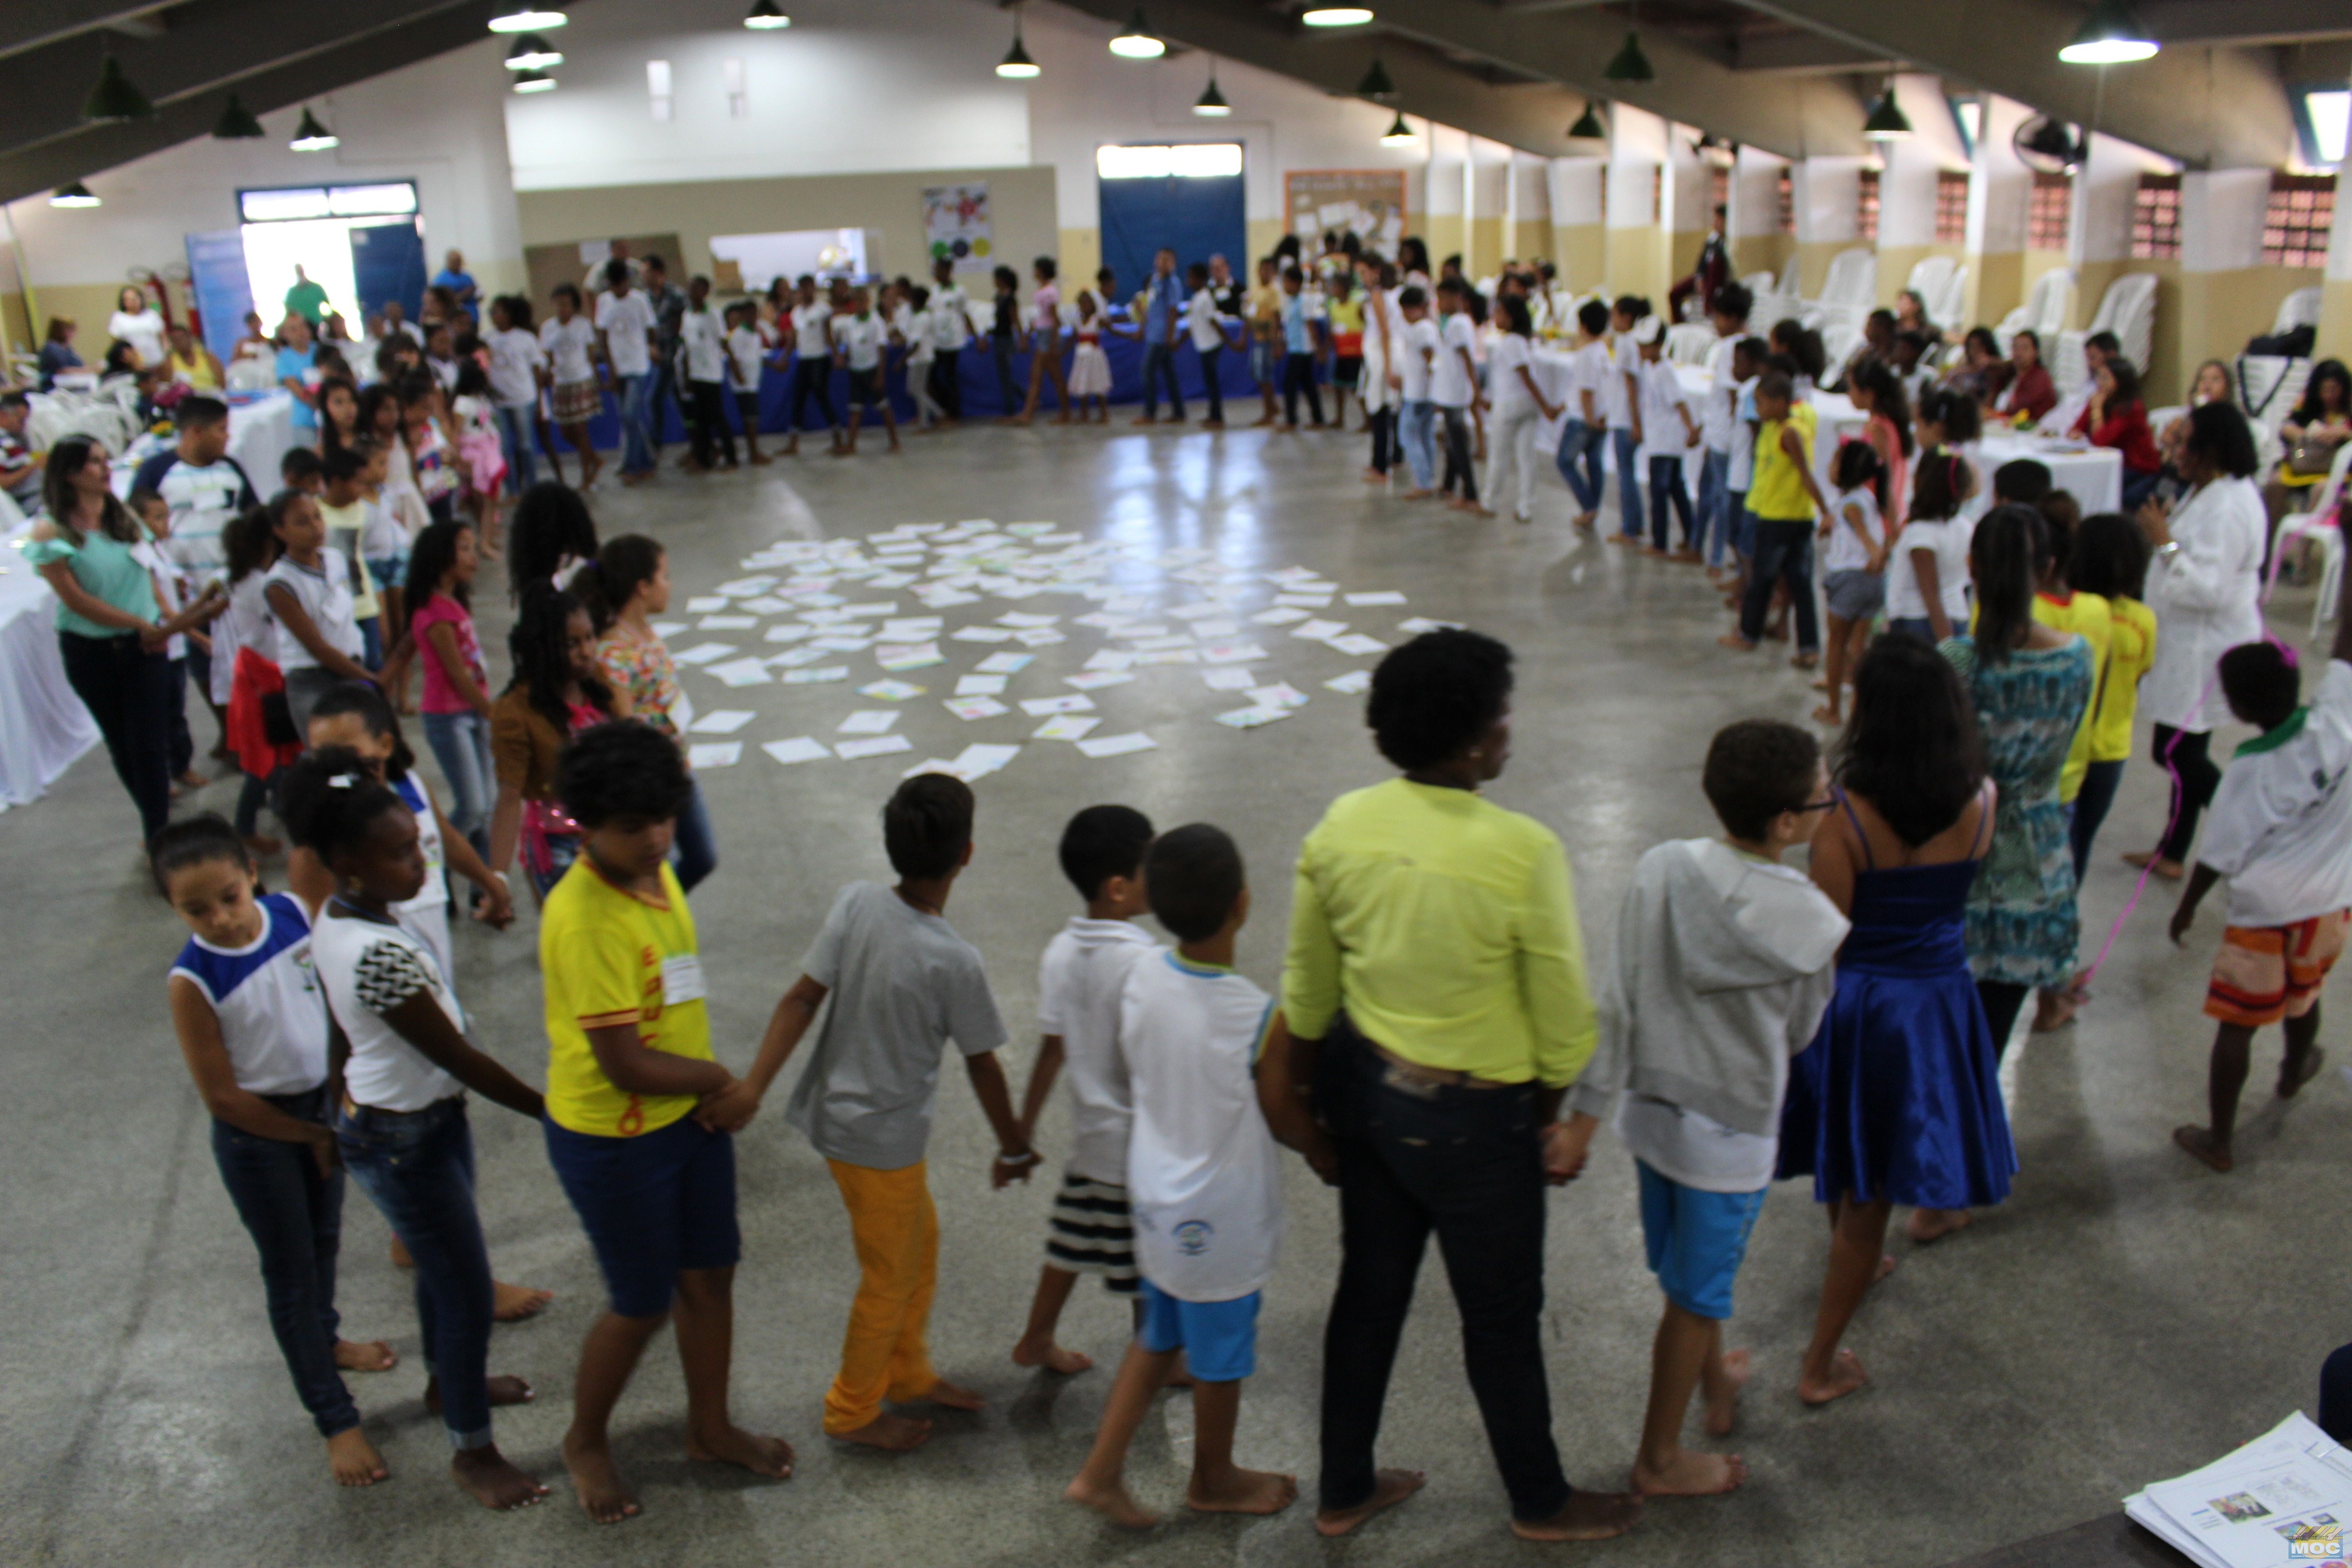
x=457, y=703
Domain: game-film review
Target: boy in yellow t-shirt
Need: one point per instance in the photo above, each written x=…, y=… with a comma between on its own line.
x=639, y=1118
x=1785, y=498
x=2109, y=558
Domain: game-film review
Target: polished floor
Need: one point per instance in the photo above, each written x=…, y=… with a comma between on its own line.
x=2124, y=1317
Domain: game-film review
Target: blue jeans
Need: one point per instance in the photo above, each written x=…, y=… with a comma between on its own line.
x=1418, y=435
x=461, y=744
x=1580, y=461
x=514, y=435
x=636, y=395
x=1629, y=489
x=661, y=387
x=295, y=1216
x=1666, y=487
x=1713, y=513
x=694, y=853
x=1159, y=363
x=1784, y=553
x=417, y=1168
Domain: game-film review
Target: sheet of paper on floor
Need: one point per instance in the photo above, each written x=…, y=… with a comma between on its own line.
x=1038, y=707
x=1117, y=745
x=799, y=749
x=872, y=746
x=975, y=706
x=1066, y=727
x=715, y=755
x=721, y=722
x=980, y=685
x=891, y=690
x=869, y=721
x=815, y=676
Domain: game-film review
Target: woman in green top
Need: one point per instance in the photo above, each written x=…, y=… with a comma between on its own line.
x=109, y=633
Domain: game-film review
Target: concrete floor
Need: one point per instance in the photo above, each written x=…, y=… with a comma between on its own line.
x=2124, y=1317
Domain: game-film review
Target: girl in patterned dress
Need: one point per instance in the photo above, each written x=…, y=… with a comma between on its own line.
x=625, y=587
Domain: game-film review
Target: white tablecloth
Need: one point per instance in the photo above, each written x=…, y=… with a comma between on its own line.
x=260, y=434
x=43, y=725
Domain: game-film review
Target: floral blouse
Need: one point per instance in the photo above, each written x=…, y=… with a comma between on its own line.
x=640, y=669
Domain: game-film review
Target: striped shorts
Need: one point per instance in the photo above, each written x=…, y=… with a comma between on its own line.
x=1091, y=1233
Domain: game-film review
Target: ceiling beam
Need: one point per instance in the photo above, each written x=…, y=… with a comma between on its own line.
x=2210, y=107
x=29, y=23
x=1801, y=54
x=2244, y=22
x=29, y=170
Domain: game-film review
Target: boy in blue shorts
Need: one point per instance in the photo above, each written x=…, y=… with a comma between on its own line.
x=1203, y=1180
x=1722, y=973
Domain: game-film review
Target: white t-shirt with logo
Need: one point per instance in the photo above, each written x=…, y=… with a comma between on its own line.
x=266, y=997
x=514, y=355
x=1420, y=341
x=1624, y=359
x=748, y=347
x=1948, y=541
x=1204, y=1179
x=1200, y=315
x=1714, y=409
x=1510, y=354
x=325, y=596
x=427, y=914
x=809, y=340
x=1846, y=553
x=1449, y=383
x=2281, y=824
x=950, y=317
x=861, y=338
x=568, y=344
x=703, y=337
x=1081, y=981
x=369, y=968
x=1662, y=434
x=625, y=320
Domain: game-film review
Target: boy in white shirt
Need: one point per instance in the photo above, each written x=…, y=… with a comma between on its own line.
x=1453, y=388
x=1729, y=308
x=748, y=346
x=1586, y=430
x=920, y=335
x=1417, y=429
x=625, y=327
x=1666, y=421
x=1207, y=327
x=1724, y=969
x=2281, y=831
x=172, y=594
x=702, y=346
x=950, y=332
x=1079, y=981
x=860, y=342
x=811, y=364
x=1204, y=1178
x=1621, y=400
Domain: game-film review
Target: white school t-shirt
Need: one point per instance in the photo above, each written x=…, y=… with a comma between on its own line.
x=1204, y=1179
x=166, y=573
x=809, y=340
x=427, y=914
x=568, y=344
x=1949, y=538
x=368, y=968
x=2281, y=824
x=1420, y=341
x=246, y=623
x=1587, y=367
x=325, y=596
x=1845, y=552
x=950, y=317
x=1449, y=382
x=1200, y=314
x=1080, y=980
x=1662, y=434
x=748, y=347
x=625, y=320
x=1715, y=408
x=1510, y=354
x=1743, y=436
x=266, y=996
x=915, y=330
x=514, y=355
x=1624, y=357
x=861, y=337
x=703, y=336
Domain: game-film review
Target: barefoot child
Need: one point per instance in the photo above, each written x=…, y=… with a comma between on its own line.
x=1723, y=971
x=2281, y=831
x=402, y=1128
x=252, y=1024
x=1078, y=983
x=1786, y=502
x=1928, y=582
x=903, y=985
x=1204, y=1177
x=651, y=1172
x=1854, y=565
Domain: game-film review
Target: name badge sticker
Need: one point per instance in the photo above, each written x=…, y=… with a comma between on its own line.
x=682, y=980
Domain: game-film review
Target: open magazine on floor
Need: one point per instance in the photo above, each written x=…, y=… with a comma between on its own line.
x=2283, y=1499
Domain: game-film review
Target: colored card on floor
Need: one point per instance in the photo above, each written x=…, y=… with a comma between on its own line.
x=1230, y=652
x=872, y=746
x=1229, y=677
x=981, y=686
x=1005, y=663
x=890, y=691
x=983, y=634
x=1420, y=623
x=765, y=604
x=704, y=604
x=793, y=658
x=1038, y=637
x=909, y=655
x=1281, y=694
x=813, y=677
x=1384, y=596
x=743, y=673
x=788, y=631
x=1065, y=727
x=799, y=749
x=727, y=622
x=1282, y=616
x=1356, y=645
x=975, y=706
x=704, y=653
x=1208, y=631
x=1095, y=679
x=1117, y=745
x=978, y=760
x=721, y=722
x=1355, y=680
x=838, y=644
x=715, y=755
x=1251, y=718
x=1015, y=619
x=869, y=721
x=667, y=629
x=1038, y=707
x=1319, y=631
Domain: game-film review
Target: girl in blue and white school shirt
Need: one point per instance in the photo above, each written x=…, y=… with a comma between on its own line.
x=252, y=1024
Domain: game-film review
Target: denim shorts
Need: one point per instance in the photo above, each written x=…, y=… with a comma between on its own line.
x=1219, y=1339
x=1696, y=1240
x=1854, y=594
x=652, y=1206
x=389, y=570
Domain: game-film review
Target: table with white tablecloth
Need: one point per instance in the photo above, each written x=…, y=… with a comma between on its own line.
x=260, y=434
x=43, y=725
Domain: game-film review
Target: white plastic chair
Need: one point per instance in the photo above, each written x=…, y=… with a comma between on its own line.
x=1839, y=340
x=2047, y=305
x=1930, y=276
x=1689, y=343
x=2129, y=310
x=2317, y=523
x=2300, y=308
x=1953, y=307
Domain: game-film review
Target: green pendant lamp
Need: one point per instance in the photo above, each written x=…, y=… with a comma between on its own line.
x=1588, y=126
x=237, y=122
x=114, y=98
x=74, y=196
x=1376, y=84
x=311, y=136
x=1887, y=122
x=1631, y=64
x=1398, y=134
x=2112, y=36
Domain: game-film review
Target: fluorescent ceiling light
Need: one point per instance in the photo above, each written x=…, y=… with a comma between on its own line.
x=533, y=53
x=1336, y=15
x=533, y=81
x=1137, y=43
x=2331, y=113
x=74, y=196
x=1189, y=160
x=2112, y=36
x=529, y=19
x=763, y=18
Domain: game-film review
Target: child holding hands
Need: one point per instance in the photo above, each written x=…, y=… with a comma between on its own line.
x=1853, y=565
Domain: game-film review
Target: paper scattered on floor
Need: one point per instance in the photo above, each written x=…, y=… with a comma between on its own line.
x=1251, y=718
x=1318, y=630
x=667, y=629
x=743, y=672
x=1357, y=645
x=979, y=759
x=872, y=746
x=1355, y=680
x=800, y=749
x=1118, y=746
x=704, y=604
x=980, y=686
x=890, y=691
x=869, y=721
x=1065, y=727
x=715, y=755
x=907, y=656
x=1005, y=663
x=790, y=631
x=1420, y=623
x=721, y=722
x=1229, y=677
x=703, y=653
x=1385, y=596
x=976, y=707
x=1038, y=707
x=727, y=622
x=1281, y=694
x=1095, y=679
x=811, y=676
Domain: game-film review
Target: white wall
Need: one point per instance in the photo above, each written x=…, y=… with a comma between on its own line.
x=1907, y=186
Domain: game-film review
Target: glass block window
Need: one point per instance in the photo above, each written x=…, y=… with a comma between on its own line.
x=2294, y=230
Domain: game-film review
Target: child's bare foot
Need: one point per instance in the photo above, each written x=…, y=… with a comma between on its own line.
x=1375, y=476
x=1886, y=1268
x=1690, y=1475
x=1417, y=495
x=364, y=1355
x=2200, y=1142
x=1624, y=538
x=1050, y=1356
x=1588, y=1516
x=1243, y=1491
x=1927, y=1226
x=597, y=1481
x=1723, y=1409
x=1804, y=661
x=1734, y=641
x=1111, y=1501
x=1389, y=1489
x=1153, y=419
x=1827, y=713
x=355, y=1460
x=489, y=1479
x=762, y=459
x=769, y=1457
x=894, y=1433
x=1473, y=509
x=503, y=1390
x=513, y=1303
x=1651, y=549
x=1844, y=1375
x=2290, y=1081
x=2168, y=869
x=1821, y=685
x=400, y=1259
x=954, y=1397
x=1688, y=556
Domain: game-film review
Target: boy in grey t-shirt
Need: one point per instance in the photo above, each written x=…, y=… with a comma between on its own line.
x=902, y=985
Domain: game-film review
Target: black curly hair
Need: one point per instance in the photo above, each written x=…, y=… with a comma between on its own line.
x=1193, y=875
x=537, y=645
x=622, y=771
x=370, y=706
x=926, y=826
x=331, y=802
x=1434, y=696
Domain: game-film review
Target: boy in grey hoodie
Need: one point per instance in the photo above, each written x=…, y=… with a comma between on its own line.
x=1722, y=973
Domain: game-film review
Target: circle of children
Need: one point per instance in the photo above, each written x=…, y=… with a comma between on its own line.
x=1436, y=1052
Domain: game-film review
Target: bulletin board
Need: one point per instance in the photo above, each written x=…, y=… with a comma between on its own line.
x=1368, y=202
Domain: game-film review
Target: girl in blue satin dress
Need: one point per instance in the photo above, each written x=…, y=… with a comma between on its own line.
x=1896, y=1099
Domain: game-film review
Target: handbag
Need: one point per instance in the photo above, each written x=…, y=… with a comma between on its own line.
x=2314, y=454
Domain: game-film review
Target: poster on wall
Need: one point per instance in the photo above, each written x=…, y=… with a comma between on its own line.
x=1369, y=203
x=956, y=225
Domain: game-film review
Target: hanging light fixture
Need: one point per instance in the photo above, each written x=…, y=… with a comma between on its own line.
x=1211, y=104
x=1887, y=122
x=532, y=52
x=75, y=195
x=311, y=136
x=1588, y=126
x=237, y=122
x=1336, y=15
x=1137, y=43
x=1631, y=64
x=533, y=81
x=1398, y=134
x=529, y=19
x=113, y=97
x=763, y=16
x=1016, y=61
x=2111, y=36
x=1376, y=84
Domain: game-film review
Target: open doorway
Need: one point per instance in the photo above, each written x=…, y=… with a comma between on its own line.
x=363, y=244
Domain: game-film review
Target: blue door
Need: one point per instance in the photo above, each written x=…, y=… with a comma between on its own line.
x=388, y=263
x=217, y=282
x=1196, y=218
